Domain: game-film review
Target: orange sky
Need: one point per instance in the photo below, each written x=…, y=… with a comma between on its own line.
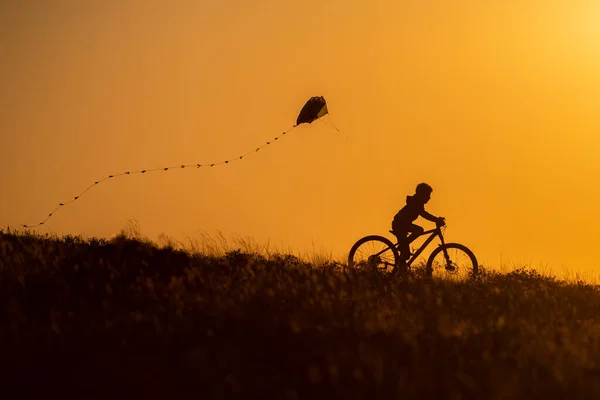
x=494, y=103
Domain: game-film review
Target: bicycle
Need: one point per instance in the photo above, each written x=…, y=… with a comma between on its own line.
x=378, y=253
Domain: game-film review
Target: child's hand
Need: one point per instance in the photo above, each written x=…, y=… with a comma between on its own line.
x=441, y=221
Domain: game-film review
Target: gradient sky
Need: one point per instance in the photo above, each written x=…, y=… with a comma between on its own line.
x=493, y=103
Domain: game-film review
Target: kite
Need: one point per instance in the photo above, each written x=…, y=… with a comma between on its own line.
x=314, y=109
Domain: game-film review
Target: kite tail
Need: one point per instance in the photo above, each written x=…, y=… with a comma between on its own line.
x=143, y=171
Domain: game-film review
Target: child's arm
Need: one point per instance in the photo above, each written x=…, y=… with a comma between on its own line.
x=429, y=217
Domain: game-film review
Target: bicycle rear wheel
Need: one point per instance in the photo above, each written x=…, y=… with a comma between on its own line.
x=374, y=253
x=452, y=260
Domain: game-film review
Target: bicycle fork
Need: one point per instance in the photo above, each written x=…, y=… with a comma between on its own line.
x=448, y=266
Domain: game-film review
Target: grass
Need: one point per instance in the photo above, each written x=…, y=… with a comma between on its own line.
x=125, y=317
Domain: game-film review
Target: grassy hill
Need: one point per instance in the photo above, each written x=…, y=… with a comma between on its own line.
x=112, y=319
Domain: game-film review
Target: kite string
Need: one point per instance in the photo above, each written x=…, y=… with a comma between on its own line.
x=143, y=171
x=330, y=124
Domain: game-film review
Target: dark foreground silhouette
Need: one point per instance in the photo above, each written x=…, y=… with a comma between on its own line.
x=96, y=320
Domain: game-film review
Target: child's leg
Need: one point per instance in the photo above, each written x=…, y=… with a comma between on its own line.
x=404, y=249
x=401, y=230
x=415, y=232
x=400, y=233
x=402, y=244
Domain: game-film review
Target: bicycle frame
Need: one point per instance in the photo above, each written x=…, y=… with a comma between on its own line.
x=434, y=232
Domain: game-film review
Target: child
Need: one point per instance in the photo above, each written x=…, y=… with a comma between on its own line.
x=403, y=220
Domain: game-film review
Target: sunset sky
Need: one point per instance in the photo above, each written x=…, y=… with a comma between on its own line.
x=496, y=104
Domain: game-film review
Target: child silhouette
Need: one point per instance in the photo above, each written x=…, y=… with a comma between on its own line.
x=403, y=220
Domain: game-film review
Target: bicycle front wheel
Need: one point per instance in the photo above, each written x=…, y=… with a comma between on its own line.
x=452, y=260
x=374, y=253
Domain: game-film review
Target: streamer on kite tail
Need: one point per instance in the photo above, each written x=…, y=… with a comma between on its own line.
x=315, y=108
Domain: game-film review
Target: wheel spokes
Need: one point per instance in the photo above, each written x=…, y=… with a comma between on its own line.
x=452, y=263
x=374, y=255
